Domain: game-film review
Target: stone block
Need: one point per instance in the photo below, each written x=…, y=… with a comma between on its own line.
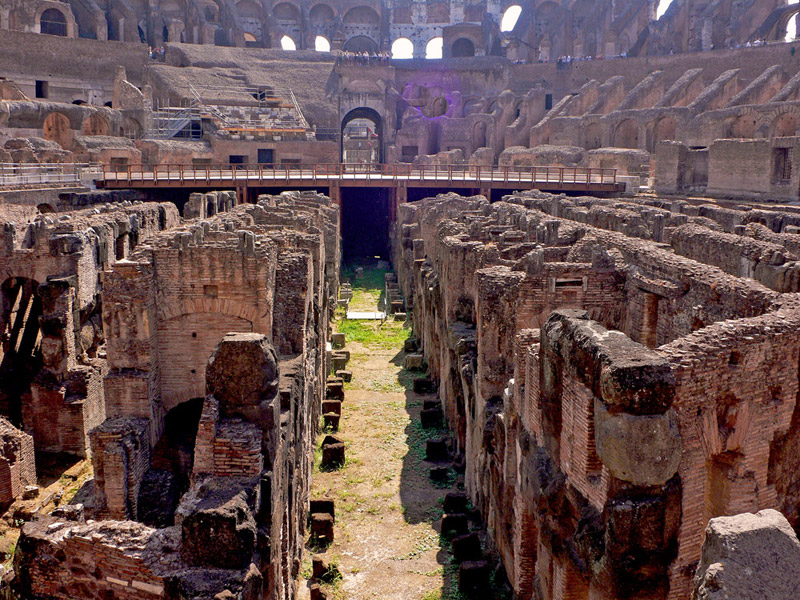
x=218, y=528
x=410, y=345
x=400, y=317
x=749, y=556
x=242, y=372
x=436, y=450
x=440, y=474
x=424, y=385
x=455, y=502
x=455, y=524
x=332, y=407
x=473, y=577
x=334, y=390
x=339, y=360
x=432, y=418
x=333, y=453
x=467, y=547
x=322, y=570
x=414, y=362
x=331, y=422
x=316, y=592
x=323, y=505
x=337, y=340
x=640, y=449
x=322, y=528
x=346, y=376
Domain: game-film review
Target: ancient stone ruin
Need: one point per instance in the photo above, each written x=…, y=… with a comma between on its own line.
x=405, y=299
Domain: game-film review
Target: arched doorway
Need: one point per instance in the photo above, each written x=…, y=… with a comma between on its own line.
x=53, y=22
x=362, y=137
x=361, y=43
x=627, y=135
x=463, y=48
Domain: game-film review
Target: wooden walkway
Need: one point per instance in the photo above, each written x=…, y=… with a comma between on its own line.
x=334, y=176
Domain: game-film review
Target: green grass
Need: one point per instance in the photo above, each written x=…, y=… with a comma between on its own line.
x=389, y=335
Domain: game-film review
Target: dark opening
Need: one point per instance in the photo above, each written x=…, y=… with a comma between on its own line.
x=781, y=164
x=21, y=357
x=462, y=48
x=42, y=89
x=171, y=467
x=53, y=22
x=365, y=223
x=266, y=156
x=361, y=43
x=237, y=159
x=548, y=101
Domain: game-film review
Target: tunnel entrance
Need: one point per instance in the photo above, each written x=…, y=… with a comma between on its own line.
x=21, y=351
x=171, y=468
x=365, y=223
x=362, y=136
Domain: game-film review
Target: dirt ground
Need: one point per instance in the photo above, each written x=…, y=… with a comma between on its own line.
x=388, y=511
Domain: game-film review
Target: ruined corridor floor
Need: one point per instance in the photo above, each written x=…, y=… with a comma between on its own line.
x=388, y=512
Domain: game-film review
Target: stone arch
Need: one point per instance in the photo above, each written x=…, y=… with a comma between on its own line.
x=785, y=125
x=96, y=124
x=361, y=15
x=288, y=18
x=361, y=43
x=479, y=135
x=57, y=128
x=744, y=126
x=474, y=105
x=627, y=134
x=462, y=48
x=664, y=129
x=251, y=21
x=434, y=48
x=131, y=128
x=185, y=337
x=322, y=19
x=52, y=20
x=402, y=48
x=510, y=18
x=367, y=114
x=593, y=136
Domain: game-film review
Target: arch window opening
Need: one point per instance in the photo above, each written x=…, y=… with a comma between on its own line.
x=53, y=22
x=403, y=48
x=791, y=26
x=463, y=48
x=435, y=48
x=288, y=43
x=663, y=6
x=361, y=137
x=321, y=44
x=510, y=18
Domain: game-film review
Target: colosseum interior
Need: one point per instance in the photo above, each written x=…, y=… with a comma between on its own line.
x=399, y=299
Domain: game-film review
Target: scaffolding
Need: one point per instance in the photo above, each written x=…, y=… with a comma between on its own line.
x=249, y=111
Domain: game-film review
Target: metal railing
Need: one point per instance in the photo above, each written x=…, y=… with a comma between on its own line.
x=16, y=174
x=440, y=174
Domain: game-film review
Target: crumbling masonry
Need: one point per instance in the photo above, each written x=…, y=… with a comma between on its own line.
x=216, y=333
x=615, y=374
